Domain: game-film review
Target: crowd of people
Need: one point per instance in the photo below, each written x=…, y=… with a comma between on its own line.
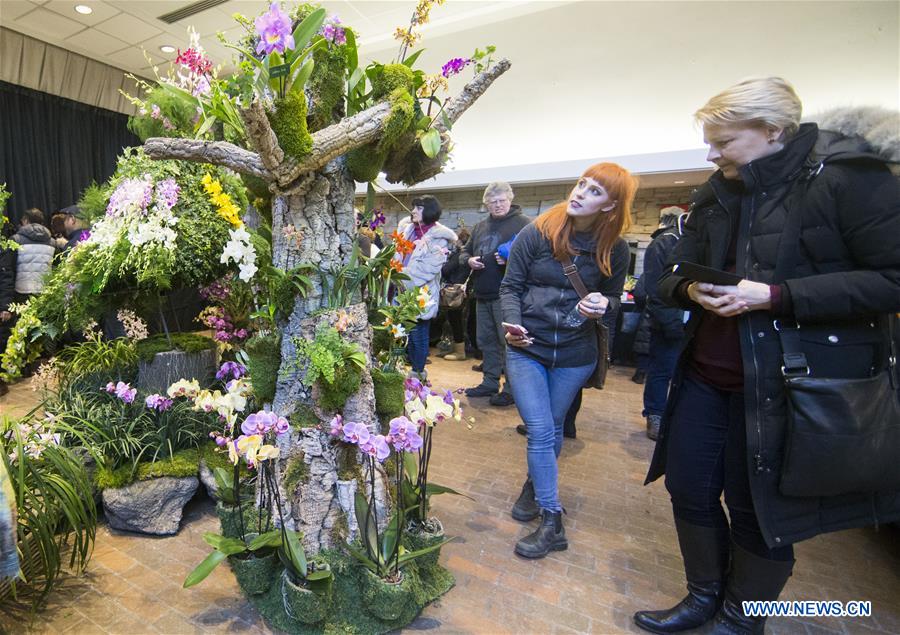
x=800, y=229
x=797, y=238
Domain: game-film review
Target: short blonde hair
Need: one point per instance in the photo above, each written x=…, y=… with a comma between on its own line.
x=496, y=189
x=769, y=102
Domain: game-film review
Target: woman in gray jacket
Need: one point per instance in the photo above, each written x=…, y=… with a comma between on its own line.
x=34, y=255
x=423, y=266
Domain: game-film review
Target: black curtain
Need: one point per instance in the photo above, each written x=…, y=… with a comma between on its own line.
x=51, y=148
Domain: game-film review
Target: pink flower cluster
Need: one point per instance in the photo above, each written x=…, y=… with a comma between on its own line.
x=403, y=436
x=194, y=60
x=215, y=292
x=122, y=390
x=332, y=31
x=158, y=402
x=216, y=318
x=263, y=422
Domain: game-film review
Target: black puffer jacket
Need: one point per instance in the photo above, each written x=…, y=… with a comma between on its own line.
x=455, y=270
x=845, y=283
x=660, y=316
x=536, y=294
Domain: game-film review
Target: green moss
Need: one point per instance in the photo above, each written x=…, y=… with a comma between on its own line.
x=295, y=472
x=289, y=123
x=348, y=614
x=392, y=77
x=339, y=531
x=326, y=86
x=333, y=395
x=264, y=359
x=348, y=466
x=183, y=463
x=304, y=417
x=399, y=119
x=389, y=393
x=187, y=342
x=255, y=575
x=365, y=163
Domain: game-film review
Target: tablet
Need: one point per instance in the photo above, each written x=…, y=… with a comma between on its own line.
x=700, y=273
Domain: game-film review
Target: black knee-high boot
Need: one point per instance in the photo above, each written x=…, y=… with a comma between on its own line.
x=705, y=554
x=751, y=578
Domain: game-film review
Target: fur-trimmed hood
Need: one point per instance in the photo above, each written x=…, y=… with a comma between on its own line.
x=879, y=127
x=437, y=231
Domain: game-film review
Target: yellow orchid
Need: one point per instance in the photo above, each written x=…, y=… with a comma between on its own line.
x=249, y=446
x=233, y=454
x=267, y=452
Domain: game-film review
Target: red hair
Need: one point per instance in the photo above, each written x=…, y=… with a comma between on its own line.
x=556, y=226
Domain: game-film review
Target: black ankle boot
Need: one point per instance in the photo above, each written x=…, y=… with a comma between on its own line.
x=751, y=578
x=705, y=554
x=526, y=508
x=550, y=536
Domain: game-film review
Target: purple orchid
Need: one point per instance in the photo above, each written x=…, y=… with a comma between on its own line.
x=376, y=446
x=404, y=435
x=274, y=30
x=158, y=402
x=455, y=66
x=124, y=392
x=337, y=426
x=356, y=433
x=378, y=219
x=231, y=370
x=263, y=422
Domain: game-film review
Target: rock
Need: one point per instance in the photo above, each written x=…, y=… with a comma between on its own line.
x=149, y=507
x=170, y=366
x=209, y=481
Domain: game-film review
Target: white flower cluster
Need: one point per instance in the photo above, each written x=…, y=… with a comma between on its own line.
x=140, y=212
x=35, y=437
x=135, y=327
x=239, y=250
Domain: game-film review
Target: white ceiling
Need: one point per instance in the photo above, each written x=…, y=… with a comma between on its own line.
x=589, y=79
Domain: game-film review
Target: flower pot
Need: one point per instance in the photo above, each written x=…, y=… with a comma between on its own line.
x=263, y=361
x=385, y=600
x=424, y=537
x=304, y=605
x=255, y=574
x=389, y=393
x=229, y=519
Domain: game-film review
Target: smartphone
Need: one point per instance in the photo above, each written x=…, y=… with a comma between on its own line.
x=515, y=330
x=700, y=273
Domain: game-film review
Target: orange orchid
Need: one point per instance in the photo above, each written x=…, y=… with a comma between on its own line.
x=401, y=244
x=396, y=265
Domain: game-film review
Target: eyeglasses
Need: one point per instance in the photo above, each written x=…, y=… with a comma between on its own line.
x=497, y=202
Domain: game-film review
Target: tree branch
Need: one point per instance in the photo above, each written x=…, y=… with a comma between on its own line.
x=215, y=152
x=366, y=126
x=262, y=137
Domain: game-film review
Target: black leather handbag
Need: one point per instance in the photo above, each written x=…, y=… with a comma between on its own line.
x=598, y=377
x=843, y=434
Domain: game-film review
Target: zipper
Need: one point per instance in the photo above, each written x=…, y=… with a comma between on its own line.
x=758, y=457
x=562, y=294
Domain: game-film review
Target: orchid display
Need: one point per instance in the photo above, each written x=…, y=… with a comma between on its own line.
x=240, y=250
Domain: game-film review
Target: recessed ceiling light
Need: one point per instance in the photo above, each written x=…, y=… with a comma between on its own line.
x=83, y=9
x=679, y=182
x=165, y=48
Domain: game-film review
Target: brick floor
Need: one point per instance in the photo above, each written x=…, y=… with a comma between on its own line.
x=623, y=554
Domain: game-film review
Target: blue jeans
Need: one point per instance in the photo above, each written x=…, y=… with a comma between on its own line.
x=660, y=366
x=543, y=396
x=707, y=455
x=417, y=345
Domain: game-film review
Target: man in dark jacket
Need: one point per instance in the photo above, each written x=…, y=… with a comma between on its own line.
x=666, y=323
x=488, y=268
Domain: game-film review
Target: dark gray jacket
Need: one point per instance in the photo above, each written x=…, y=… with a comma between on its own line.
x=844, y=284
x=536, y=294
x=487, y=235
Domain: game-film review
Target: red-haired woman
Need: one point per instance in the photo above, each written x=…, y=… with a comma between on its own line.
x=552, y=338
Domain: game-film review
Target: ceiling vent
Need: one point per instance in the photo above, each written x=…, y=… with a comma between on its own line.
x=189, y=10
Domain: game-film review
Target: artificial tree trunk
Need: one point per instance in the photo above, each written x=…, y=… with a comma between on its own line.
x=316, y=196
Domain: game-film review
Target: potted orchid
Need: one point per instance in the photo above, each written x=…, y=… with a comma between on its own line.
x=382, y=552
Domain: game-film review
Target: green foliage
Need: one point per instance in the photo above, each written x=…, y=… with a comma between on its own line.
x=288, y=121
x=99, y=358
x=304, y=416
x=187, y=342
x=334, y=394
x=326, y=352
x=174, y=108
x=326, y=86
x=56, y=512
x=183, y=463
x=263, y=360
x=93, y=202
x=387, y=78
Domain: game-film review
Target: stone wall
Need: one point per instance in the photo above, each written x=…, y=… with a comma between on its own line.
x=464, y=205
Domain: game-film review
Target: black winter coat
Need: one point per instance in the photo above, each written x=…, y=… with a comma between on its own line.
x=661, y=316
x=536, y=294
x=455, y=270
x=487, y=235
x=844, y=285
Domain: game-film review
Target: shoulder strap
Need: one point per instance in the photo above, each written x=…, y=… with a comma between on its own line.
x=571, y=272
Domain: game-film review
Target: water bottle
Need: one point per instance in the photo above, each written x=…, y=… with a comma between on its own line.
x=574, y=319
